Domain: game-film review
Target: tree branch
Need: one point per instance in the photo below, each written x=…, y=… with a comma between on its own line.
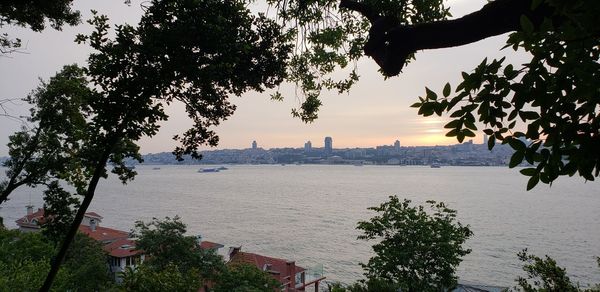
x=60, y=256
x=390, y=44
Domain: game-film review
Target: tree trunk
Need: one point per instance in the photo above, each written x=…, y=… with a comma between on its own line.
x=56, y=262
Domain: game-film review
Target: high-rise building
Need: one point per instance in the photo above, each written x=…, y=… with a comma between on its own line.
x=308, y=146
x=485, y=139
x=397, y=145
x=254, y=145
x=328, y=145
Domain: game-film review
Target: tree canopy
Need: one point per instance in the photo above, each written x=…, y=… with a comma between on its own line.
x=24, y=263
x=165, y=243
x=547, y=109
x=201, y=52
x=35, y=15
x=416, y=250
x=175, y=262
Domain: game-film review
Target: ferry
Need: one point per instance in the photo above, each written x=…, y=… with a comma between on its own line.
x=208, y=170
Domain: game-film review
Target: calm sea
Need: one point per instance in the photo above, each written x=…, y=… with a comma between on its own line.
x=308, y=213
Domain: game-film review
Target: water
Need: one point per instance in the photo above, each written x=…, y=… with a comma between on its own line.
x=308, y=213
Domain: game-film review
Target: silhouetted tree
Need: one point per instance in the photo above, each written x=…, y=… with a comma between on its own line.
x=35, y=15
x=554, y=95
x=544, y=274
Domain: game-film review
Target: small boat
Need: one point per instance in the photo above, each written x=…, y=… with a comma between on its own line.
x=208, y=170
x=222, y=168
x=156, y=168
x=435, y=165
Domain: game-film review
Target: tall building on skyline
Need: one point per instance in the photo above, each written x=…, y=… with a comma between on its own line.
x=254, y=145
x=328, y=145
x=485, y=139
x=397, y=145
x=308, y=146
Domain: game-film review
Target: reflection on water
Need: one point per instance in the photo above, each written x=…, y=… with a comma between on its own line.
x=308, y=213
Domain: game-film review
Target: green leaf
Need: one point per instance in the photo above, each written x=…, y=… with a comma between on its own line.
x=528, y=171
x=533, y=181
x=517, y=144
x=447, y=90
x=468, y=133
x=491, y=142
x=516, y=159
x=430, y=94
x=453, y=124
x=452, y=133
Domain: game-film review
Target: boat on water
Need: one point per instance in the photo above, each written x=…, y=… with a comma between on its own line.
x=435, y=165
x=222, y=168
x=208, y=170
x=156, y=168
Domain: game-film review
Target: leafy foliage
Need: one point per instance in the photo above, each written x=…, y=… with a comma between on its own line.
x=175, y=262
x=59, y=211
x=164, y=242
x=24, y=263
x=49, y=151
x=35, y=15
x=554, y=96
x=543, y=274
x=245, y=278
x=370, y=285
x=171, y=56
x=415, y=250
x=170, y=278
x=330, y=39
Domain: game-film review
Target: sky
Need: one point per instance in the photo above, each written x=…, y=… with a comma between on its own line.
x=375, y=112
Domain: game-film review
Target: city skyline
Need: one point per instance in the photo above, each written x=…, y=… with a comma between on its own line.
x=375, y=111
x=308, y=145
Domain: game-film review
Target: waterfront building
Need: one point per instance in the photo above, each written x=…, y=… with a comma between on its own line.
x=116, y=243
x=307, y=146
x=292, y=277
x=328, y=145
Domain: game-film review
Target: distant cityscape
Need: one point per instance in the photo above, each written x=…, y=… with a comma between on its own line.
x=465, y=154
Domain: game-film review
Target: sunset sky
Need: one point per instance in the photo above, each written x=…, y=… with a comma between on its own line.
x=376, y=112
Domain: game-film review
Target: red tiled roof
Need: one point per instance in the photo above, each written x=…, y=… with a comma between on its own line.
x=278, y=266
x=121, y=248
x=210, y=245
x=93, y=215
x=28, y=220
x=33, y=220
x=103, y=234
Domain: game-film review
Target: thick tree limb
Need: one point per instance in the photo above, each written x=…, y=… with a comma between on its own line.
x=62, y=252
x=390, y=44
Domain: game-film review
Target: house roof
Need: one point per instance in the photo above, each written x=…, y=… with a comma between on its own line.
x=210, y=245
x=103, y=234
x=32, y=220
x=37, y=218
x=278, y=267
x=121, y=248
x=93, y=215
